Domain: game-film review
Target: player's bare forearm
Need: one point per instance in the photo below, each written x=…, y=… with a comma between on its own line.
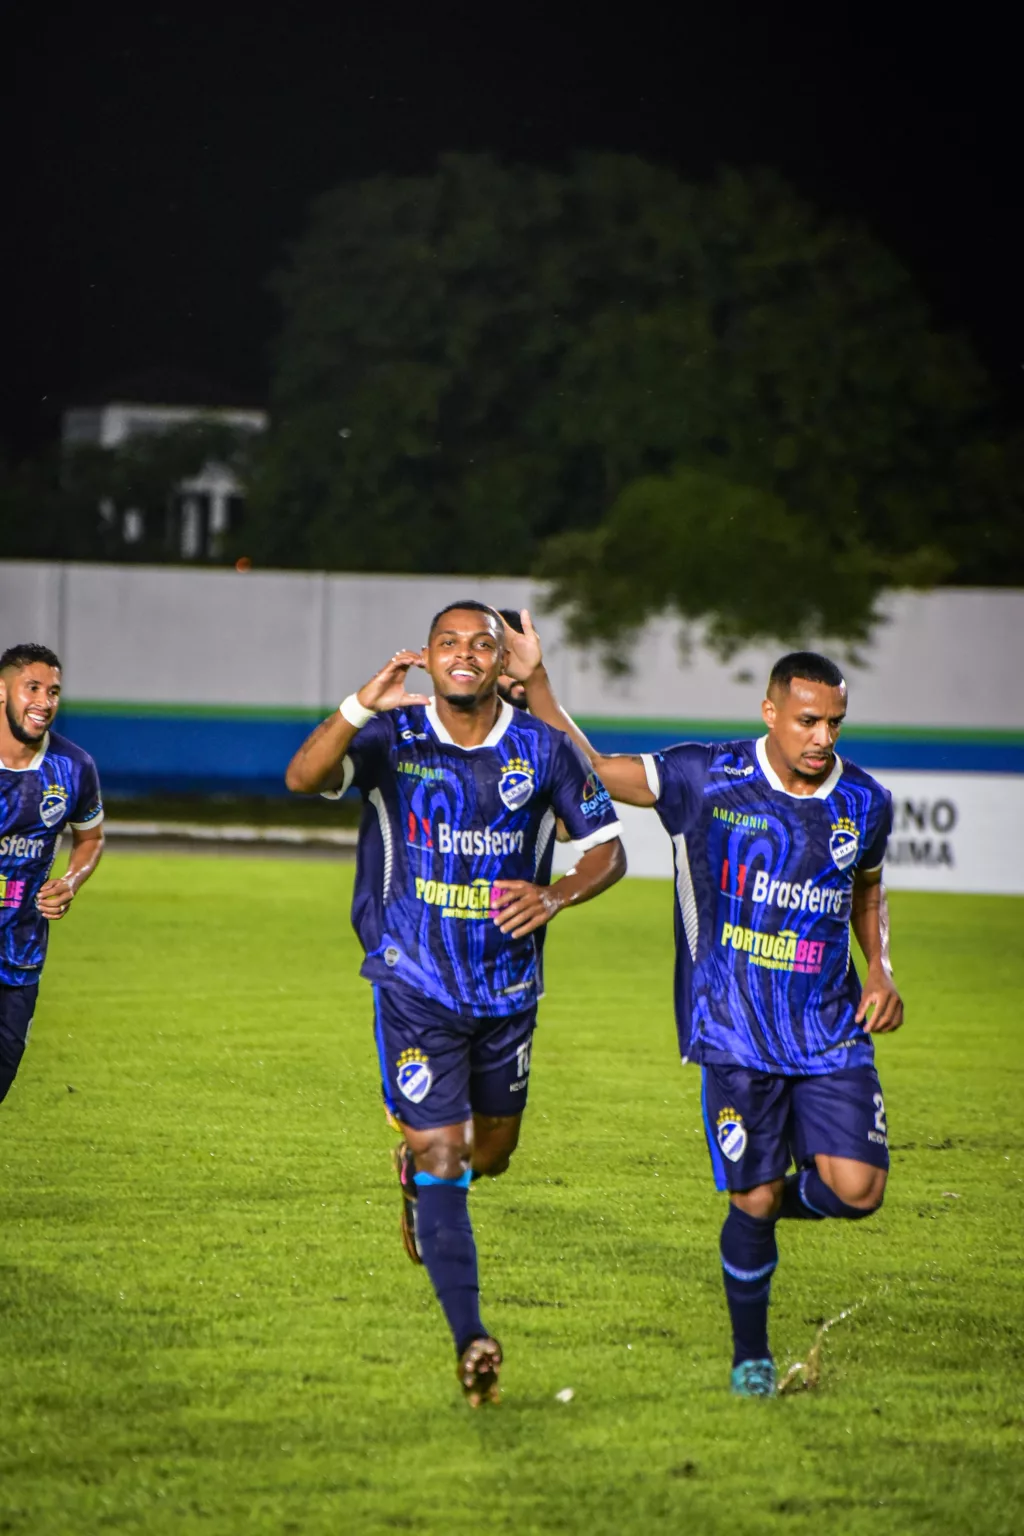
x=624, y=777
x=595, y=871
x=520, y=906
x=317, y=765
x=57, y=895
x=881, y=1007
x=319, y=762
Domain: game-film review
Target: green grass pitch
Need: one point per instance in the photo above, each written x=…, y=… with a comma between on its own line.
x=208, y=1324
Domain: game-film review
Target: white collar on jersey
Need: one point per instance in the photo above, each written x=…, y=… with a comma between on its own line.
x=497, y=731
x=37, y=761
x=821, y=793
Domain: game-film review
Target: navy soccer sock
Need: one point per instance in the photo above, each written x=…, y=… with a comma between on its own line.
x=749, y=1257
x=11, y=1052
x=807, y=1197
x=448, y=1249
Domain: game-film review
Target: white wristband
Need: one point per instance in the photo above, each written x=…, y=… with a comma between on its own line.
x=355, y=713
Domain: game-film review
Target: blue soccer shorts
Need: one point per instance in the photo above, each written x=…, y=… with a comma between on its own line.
x=17, y=1005
x=439, y=1067
x=758, y=1123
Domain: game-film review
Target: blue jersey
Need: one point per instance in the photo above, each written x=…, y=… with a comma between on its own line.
x=764, y=882
x=441, y=823
x=59, y=788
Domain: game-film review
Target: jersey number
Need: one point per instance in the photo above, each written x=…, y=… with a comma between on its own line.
x=880, y=1124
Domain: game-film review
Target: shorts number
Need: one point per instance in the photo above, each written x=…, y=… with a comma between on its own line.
x=880, y=1124
x=523, y=1060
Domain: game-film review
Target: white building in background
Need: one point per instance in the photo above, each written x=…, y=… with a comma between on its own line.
x=207, y=504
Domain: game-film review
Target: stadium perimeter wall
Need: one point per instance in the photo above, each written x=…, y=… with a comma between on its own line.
x=181, y=679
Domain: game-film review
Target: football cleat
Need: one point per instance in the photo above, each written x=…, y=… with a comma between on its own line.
x=405, y=1167
x=477, y=1370
x=754, y=1378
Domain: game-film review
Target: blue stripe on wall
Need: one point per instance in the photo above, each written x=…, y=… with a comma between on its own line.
x=205, y=754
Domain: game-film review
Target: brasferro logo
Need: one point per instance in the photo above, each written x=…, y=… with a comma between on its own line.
x=16, y=847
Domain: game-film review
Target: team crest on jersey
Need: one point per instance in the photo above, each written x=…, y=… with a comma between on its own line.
x=415, y=1078
x=844, y=844
x=54, y=805
x=732, y=1134
x=515, y=786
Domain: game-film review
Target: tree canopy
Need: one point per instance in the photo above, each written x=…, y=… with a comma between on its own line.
x=703, y=399
x=709, y=400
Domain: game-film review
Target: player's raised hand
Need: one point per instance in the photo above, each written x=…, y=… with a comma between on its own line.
x=387, y=690
x=881, y=1007
x=519, y=906
x=524, y=651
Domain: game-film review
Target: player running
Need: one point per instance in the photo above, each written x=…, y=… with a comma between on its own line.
x=46, y=784
x=778, y=847
x=461, y=793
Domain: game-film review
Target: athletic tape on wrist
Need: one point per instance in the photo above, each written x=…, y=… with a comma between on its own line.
x=355, y=713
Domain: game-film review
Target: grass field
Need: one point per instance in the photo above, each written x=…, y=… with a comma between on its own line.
x=208, y=1324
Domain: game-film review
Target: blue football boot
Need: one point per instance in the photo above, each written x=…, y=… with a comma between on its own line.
x=754, y=1378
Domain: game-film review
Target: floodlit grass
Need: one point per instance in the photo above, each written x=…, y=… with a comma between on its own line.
x=208, y=1324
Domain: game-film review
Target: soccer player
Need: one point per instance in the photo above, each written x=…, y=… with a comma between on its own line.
x=778, y=845
x=46, y=784
x=452, y=895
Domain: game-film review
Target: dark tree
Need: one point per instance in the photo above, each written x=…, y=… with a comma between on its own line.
x=664, y=397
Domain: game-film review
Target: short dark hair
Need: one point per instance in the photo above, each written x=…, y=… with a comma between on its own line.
x=472, y=605
x=27, y=655
x=808, y=665
x=512, y=619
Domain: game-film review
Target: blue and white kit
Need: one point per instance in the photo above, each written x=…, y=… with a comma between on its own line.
x=765, y=983
x=59, y=788
x=441, y=824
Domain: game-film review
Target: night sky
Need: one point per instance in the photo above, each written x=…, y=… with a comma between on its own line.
x=158, y=161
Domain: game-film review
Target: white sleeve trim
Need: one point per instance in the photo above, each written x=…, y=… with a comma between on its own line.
x=872, y=869
x=85, y=826
x=348, y=773
x=653, y=776
x=596, y=838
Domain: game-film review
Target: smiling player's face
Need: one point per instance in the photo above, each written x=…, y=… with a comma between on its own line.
x=30, y=696
x=465, y=656
x=804, y=721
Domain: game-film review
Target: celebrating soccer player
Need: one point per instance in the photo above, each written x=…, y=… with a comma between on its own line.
x=461, y=793
x=46, y=784
x=778, y=849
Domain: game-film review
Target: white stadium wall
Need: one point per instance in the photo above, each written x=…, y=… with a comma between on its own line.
x=176, y=677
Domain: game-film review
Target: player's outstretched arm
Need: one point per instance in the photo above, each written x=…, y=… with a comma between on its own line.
x=520, y=906
x=881, y=1007
x=625, y=778
x=319, y=762
x=57, y=895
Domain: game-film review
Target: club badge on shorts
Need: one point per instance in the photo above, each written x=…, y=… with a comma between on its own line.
x=415, y=1078
x=732, y=1134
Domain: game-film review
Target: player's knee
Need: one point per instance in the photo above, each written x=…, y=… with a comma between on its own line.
x=762, y=1201
x=443, y=1158
x=495, y=1138
x=492, y=1162
x=863, y=1191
